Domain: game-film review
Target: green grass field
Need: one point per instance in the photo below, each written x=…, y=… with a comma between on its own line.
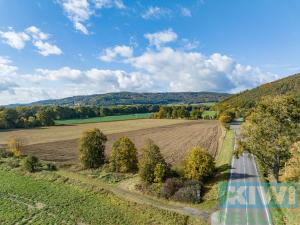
x=209, y=113
x=47, y=198
x=104, y=119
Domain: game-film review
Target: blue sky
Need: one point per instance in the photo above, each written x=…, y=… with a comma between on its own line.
x=61, y=48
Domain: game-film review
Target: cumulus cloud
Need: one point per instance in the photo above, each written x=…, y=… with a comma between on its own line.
x=18, y=40
x=110, y=54
x=178, y=70
x=45, y=48
x=80, y=11
x=14, y=39
x=6, y=68
x=160, y=38
x=36, y=33
x=155, y=12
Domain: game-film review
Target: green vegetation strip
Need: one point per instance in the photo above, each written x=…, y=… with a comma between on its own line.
x=223, y=161
x=104, y=119
x=209, y=113
x=224, y=156
x=50, y=199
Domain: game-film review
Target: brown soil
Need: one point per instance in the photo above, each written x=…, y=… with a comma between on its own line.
x=174, y=141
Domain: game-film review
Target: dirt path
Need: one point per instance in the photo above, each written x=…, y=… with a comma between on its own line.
x=138, y=198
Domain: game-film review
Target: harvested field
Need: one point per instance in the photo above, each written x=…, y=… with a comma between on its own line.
x=174, y=140
x=67, y=132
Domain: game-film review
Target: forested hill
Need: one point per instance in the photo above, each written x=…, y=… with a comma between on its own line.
x=130, y=98
x=247, y=99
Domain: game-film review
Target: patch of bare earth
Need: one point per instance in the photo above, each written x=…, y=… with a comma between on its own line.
x=174, y=141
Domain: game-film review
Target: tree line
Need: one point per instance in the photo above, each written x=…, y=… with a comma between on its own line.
x=182, y=112
x=37, y=116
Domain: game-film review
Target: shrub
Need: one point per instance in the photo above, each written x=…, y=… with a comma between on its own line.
x=92, y=147
x=189, y=193
x=15, y=145
x=171, y=186
x=13, y=163
x=149, y=169
x=5, y=154
x=198, y=164
x=124, y=156
x=51, y=167
x=31, y=163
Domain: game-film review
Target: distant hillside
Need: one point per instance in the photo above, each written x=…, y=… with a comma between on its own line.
x=247, y=99
x=130, y=98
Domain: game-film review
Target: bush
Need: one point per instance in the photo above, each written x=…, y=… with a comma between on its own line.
x=190, y=193
x=15, y=145
x=5, y=154
x=153, y=167
x=199, y=164
x=31, y=163
x=13, y=163
x=170, y=187
x=124, y=156
x=51, y=167
x=92, y=147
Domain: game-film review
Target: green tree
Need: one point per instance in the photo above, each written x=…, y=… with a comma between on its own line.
x=270, y=130
x=198, y=164
x=124, y=156
x=152, y=167
x=92, y=147
x=46, y=116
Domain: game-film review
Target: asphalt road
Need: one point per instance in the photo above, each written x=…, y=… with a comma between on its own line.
x=246, y=201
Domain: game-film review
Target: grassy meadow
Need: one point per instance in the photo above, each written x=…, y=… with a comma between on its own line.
x=63, y=201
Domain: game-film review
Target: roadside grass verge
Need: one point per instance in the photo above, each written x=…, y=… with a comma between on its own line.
x=48, y=198
x=104, y=119
x=223, y=161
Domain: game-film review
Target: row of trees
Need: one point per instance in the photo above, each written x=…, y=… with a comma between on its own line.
x=182, y=112
x=269, y=133
x=36, y=116
x=152, y=166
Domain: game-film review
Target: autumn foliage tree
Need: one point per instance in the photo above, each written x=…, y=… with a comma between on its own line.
x=124, y=156
x=152, y=167
x=92, y=147
x=292, y=166
x=270, y=130
x=198, y=164
x=15, y=145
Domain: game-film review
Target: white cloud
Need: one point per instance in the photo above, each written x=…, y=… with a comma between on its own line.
x=162, y=37
x=18, y=40
x=36, y=33
x=185, y=12
x=80, y=11
x=177, y=70
x=46, y=49
x=64, y=73
x=15, y=39
x=6, y=68
x=110, y=54
x=155, y=12
x=7, y=72
x=109, y=4
x=77, y=11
